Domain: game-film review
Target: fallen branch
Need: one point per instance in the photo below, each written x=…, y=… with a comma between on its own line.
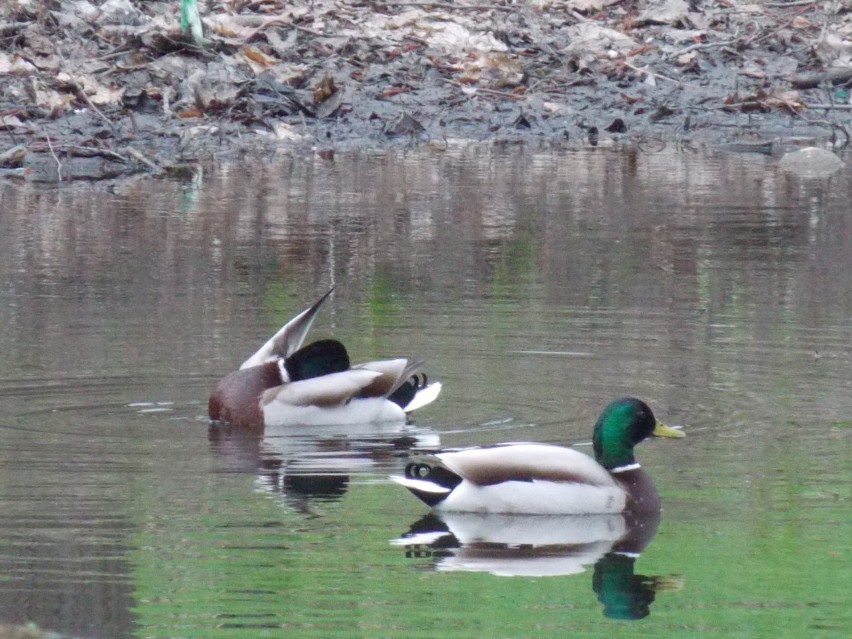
x=94, y=152
x=150, y=164
x=829, y=107
x=8, y=28
x=813, y=80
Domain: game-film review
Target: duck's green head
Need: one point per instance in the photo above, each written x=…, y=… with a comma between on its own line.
x=624, y=423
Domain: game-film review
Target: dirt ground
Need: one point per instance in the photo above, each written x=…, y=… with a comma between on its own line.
x=95, y=89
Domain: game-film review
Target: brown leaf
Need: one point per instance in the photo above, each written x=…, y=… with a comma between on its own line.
x=800, y=22
x=324, y=89
x=258, y=56
x=789, y=100
x=189, y=112
x=392, y=91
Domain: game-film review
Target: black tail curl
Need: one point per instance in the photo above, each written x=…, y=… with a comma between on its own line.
x=403, y=395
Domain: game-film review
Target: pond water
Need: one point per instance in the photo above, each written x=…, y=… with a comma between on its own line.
x=538, y=286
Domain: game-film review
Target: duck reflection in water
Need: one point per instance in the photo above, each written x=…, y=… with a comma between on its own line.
x=547, y=546
x=306, y=465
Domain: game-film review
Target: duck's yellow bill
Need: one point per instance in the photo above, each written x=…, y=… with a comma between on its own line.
x=661, y=430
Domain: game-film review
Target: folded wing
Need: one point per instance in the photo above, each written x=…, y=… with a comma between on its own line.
x=393, y=373
x=492, y=465
x=326, y=391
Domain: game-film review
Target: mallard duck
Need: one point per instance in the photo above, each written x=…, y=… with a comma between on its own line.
x=547, y=479
x=285, y=384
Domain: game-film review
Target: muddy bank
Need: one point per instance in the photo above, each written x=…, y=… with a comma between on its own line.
x=94, y=90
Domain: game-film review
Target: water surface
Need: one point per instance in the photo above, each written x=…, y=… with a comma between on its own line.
x=538, y=285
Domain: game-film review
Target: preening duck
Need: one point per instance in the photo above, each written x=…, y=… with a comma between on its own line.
x=547, y=479
x=285, y=384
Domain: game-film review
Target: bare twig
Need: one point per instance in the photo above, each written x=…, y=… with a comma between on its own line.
x=53, y=155
x=829, y=107
x=166, y=102
x=701, y=45
x=7, y=28
x=784, y=5
x=452, y=7
x=759, y=37
x=499, y=94
x=89, y=152
x=150, y=164
x=92, y=106
x=82, y=94
x=652, y=74
x=284, y=20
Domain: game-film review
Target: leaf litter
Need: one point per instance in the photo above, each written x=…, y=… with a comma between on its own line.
x=103, y=89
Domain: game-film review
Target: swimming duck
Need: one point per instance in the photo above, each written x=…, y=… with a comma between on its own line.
x=547, y=479
x=285, y=384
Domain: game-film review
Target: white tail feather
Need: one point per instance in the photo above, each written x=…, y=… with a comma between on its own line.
x=420, y=485
x=423, y=397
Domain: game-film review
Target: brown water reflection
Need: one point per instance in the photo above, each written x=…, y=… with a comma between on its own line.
x=537, y=286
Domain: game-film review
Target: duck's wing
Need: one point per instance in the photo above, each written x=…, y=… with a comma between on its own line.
x=393, y=373
x=400, y=383
x=289, y=338
x=488, y=466
x=326, y=391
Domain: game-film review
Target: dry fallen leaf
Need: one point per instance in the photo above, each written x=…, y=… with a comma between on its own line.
x=324, y=89
x=790, y=100
x=95, y=91
x=800, y=22
x=14, y=65
x=257, y=56
x=191, y=112
x=284, y=131
x=8, y=122
x=54, y=101
x=686, y=58
x=494, y=71
x=107, y=95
